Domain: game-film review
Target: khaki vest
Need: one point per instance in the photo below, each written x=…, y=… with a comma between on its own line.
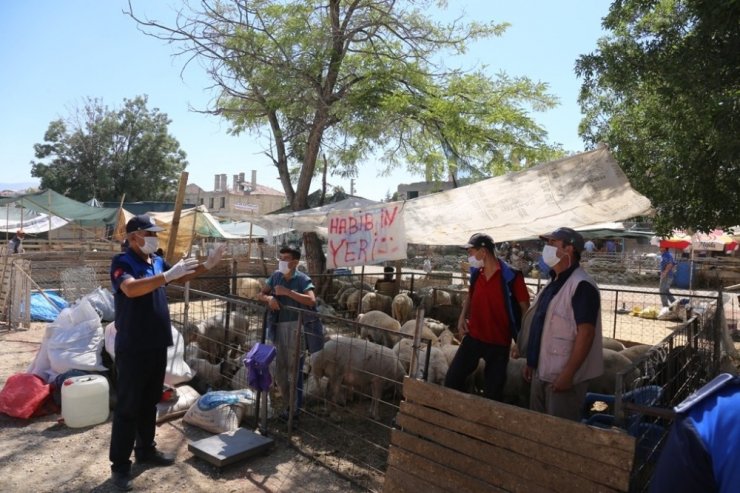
x=559, y=335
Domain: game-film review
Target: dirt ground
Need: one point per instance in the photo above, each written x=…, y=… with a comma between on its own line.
x=43, y=455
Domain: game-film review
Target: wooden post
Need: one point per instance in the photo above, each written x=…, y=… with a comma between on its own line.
x=176, y=216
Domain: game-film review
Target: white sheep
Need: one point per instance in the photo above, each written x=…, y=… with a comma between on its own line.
x=248, y=287
x=379, y=327
x=613, y=344
x=447, y=338
x=402, y=307
x=353, y=302
x=426, y=333
x=212, y=339
x=357, y=364
x=208, y=372
x=375, y=301
x=438, y=364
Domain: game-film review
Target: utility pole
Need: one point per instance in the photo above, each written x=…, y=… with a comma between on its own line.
x=351, y=186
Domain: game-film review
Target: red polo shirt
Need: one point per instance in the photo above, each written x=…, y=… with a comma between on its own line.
x=488, y=318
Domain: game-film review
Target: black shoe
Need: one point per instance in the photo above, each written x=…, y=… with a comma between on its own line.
x=122, y=481
x=156, y=459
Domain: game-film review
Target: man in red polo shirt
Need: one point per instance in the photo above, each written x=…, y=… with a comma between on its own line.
x=490, y=317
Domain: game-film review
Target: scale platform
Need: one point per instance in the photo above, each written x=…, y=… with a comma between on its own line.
x=233, y=446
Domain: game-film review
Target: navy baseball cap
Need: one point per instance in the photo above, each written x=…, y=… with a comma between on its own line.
x=142, y=222
x=568, y=236
x=480, y=240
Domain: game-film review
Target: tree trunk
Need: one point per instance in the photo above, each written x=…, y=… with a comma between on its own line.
x=315, y=258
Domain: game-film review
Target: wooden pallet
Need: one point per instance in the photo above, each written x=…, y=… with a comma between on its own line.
x=451, y=441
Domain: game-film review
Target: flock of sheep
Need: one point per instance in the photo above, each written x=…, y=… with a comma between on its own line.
x=377, y=356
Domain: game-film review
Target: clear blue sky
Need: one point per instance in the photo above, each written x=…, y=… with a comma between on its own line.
x=56, y=53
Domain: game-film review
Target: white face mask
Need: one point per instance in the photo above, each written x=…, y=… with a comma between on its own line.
x=474, y=262
x=550, y=255
x=151, y=243
x=283, y=267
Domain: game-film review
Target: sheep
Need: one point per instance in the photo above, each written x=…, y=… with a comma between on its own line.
x=379, y=327
x=247, y=287
x=402, y=307
x=447, y=338
x=516, y=389
x=426, y=333
x=438, y=364
x=353, y=302
x=614, y=362
x=212, y=339
x=435, y=325
x=356, y=363
x=205, y=371
x=429, y=298
x=376, y=301
x=447, y=314
x=324, y=308
x=335, y=288
x=613, y=344
x=636, y=352
x=341, y=296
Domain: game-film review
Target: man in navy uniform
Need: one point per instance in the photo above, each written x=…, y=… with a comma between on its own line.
x=702, y=452
x=143, y=334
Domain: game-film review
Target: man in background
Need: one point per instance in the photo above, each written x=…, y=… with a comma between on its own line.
x=667, y=263
x=289, y=287
x=15, y=245
x=490, y=318
x=564, y=349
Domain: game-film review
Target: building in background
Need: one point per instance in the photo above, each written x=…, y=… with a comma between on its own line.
x=240, y=201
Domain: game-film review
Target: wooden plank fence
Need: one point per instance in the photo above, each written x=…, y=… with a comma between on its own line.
x=452, y=441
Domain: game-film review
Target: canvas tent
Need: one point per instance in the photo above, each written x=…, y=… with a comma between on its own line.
x=51, y=203
x=579, y=191
x=194, y=223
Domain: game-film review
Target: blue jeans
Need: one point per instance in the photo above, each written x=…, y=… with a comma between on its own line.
x=666, y=298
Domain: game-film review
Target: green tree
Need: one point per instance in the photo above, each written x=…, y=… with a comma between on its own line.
x=102, y=153
x=663, y=91
x=359, y=78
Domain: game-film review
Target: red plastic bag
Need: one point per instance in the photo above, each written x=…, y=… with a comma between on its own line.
x=23, y=396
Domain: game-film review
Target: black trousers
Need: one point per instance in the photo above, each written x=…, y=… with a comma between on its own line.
x=466, y=361
x=140, y=377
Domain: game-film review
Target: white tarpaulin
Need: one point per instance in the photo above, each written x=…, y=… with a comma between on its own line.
x=309, y=220
x=358, y=237
x=579, y=191
x=31, y=222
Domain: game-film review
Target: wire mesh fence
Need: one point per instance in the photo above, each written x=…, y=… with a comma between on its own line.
x=669, y=371
x=349, y=392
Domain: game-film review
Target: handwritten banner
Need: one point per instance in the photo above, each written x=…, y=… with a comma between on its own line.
x=366, y=236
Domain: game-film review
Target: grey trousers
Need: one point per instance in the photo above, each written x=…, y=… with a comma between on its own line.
x=284, y=339
x=567, y=404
